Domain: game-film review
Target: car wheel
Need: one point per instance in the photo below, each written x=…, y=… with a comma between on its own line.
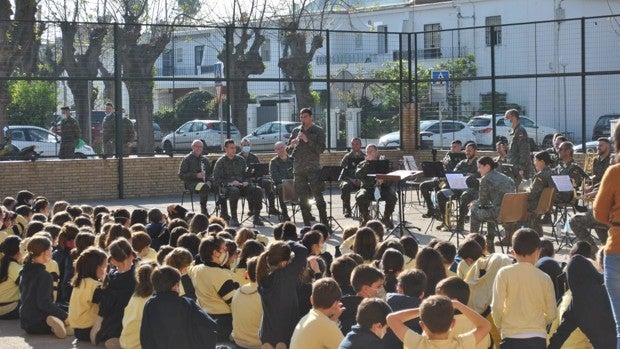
x=547, y=142
x=168, y=147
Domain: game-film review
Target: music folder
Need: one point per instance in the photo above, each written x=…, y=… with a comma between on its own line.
x=433, y=169
x=257, y=170
x=379, y=166
x=562, y=183
x=457, y=180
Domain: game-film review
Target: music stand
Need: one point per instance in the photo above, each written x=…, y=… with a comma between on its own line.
x=399, y=176
x=255, y=172
x=456, y=181
x=331, y=174
x=433, y=169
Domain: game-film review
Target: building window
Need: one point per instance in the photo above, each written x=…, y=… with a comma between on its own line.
x=496, y=22
x=179, y=54
x=432, y=40
x=265, y=50
x=198, y=53
x=167, y=62
x=359, y=40
x=382, y=40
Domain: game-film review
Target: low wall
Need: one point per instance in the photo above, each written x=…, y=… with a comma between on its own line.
x=92, y=179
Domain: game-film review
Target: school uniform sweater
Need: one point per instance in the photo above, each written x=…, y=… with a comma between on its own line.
x=84, y=303
x=37, y=301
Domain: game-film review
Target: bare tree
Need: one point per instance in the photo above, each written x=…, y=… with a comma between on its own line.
x=241, y=52
x=18, y=46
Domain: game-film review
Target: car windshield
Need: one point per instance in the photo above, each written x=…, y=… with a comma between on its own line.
x=478, y=122
x=426, y=124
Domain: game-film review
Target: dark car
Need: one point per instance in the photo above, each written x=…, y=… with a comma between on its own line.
x=602, y=128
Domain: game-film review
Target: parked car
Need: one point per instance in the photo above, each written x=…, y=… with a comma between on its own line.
x=481, y=125
x=602, y=127
x=266, y=135
x=46, y=143
x=441, y=133
x=210, y=132
x=157, y=136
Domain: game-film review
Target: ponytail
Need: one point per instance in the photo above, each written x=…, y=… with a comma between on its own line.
x=9, y=247
x=262, y=267
x=37, y=245
x=270, y=260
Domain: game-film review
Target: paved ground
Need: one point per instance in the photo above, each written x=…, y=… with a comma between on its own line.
x=11, y=336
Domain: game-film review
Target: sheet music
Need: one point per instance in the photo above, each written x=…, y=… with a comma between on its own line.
x=563, y=183
x=456, y=180
x=409, y=163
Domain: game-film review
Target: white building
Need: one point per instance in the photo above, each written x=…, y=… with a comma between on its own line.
x=534, y=50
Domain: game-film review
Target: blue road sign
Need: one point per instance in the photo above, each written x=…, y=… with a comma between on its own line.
x=441, y=77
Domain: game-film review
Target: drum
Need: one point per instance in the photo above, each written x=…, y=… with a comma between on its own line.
x=288, y=190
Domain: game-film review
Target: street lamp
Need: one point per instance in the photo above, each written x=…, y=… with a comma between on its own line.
x=564, y=63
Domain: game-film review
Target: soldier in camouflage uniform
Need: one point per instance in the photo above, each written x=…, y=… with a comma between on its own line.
x=469, y=168
x=228, y=175
x=305, y=146
x=281, y=168
x=518, y=148
x=542, y=179
x=69, y=134
x=568, y=166
x=553, y=151
x=582, y=223
x=503, y=165
x=348, y=182
x=263, y=182
x=493, y=186
x=450, y=160
x=194, y=172
x=366, y=194
x=109, y=131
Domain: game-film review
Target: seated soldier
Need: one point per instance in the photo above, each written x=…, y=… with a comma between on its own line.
x=263, y=182
x=228, y=175
x=194, y=172
x=348, y=182
x=366, y=193
x=281, y=168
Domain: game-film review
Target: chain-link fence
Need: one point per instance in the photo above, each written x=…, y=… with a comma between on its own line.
x=562, y=75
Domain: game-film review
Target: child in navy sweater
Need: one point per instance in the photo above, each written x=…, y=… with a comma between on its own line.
x=38, y=312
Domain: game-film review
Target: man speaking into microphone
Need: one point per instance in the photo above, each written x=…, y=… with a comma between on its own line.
x=305, y=146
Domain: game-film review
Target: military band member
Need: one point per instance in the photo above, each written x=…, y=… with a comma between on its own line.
x=109, y=131
x=542, y=179
x=281, y=168
x=493, y=186
x=518, y=147
x=228, y=175
x=450, y=160
x=306, y=144
x=366, y=194
x=348, y=182
x=194, y=171
x=263, y=182
x=568, y=166
x=469, y=168
x=558, y=139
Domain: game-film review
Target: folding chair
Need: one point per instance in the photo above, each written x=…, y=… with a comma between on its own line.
x=545, y=204
x=189, y=191
x=512, y=210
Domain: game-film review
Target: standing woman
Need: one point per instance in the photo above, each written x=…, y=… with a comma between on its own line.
x=607, y=210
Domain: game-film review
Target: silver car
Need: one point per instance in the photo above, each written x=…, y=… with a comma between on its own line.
x=266, y=135
x=212, y=133
x=45, y=142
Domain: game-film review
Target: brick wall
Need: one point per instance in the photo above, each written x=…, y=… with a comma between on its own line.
x=143, y=176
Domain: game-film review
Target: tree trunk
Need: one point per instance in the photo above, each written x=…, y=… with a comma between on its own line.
x=141, y=109
x=79, y=89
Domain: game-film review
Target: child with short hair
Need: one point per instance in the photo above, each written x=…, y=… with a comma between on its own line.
x=38, y=312
x=341, y=270
x=410, y=247
x=410, y=292
x=523, y=296
x=90, y=268
x=318, y=328
x=132, y=317
x=172, y=321
x=247, y=310
x=455, y=288
x=141, y=243
x=469, y=252
x=367, y=281
x=447, y=250
x=371, y=325
x=437, y=318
